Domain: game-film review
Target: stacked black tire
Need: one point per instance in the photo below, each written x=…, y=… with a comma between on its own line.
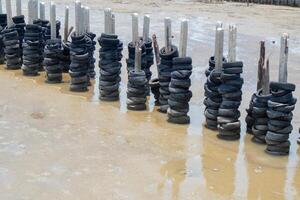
x=180, y=94
x=249, y=118
x=149, y=60
x=91, y=48
x=164, y=76
x=260, y=118
x=19, y=24
x=137, y=90
x=3, y=24
x=47, y=29
x=280, y=107
x=53, y=68
x=65, y=57
x=79, y=63
x=229, y=125
x=213, y=98
x=12, y=48
x=110, y=55
x=32, y=50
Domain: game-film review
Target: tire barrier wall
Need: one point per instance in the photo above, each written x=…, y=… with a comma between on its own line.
x=180, y=93
x=110, y=55
x=32, y=50
x=164, y=76
x=12, y=49
x=136, y=90
x=280, y=107
x=229, y=125
x=79, y=63
x=53, y=68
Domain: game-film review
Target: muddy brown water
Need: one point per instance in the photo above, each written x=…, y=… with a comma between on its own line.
x=55, y=144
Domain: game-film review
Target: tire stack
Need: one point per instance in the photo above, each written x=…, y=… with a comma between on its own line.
x=3, y=24
x=229, y=125
x=280, y=107
x=212, y=99
x=19, y=24
x=91, y=48
x=164, y=76
x=52, y=65
x=150, y=61
x=259, y=114
x=2, y=55
x=180, y=94
x=32, y=50
x=79, y=64
x=137, y=90
x=65, y=57
x=110, y=55
x=249, y=118
x=12, y=49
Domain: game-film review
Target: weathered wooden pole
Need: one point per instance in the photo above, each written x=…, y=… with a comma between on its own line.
x=232, y=43
x=219, y=49
x=66, y=27
x=218, y=25
x=18, y=7
x=1, y=10
x=81, y=21
x=88, y=25
x=107, y=20
x=135, y=28
x=183, y=38
x=9, y=13
x=266, y=79
x=146, y=27
x=283, y=58
x=168, y=34
x=84, y=18
x=42, y=11
x=137, y=58
x=35, y=8
x=53, y=20
x=156, y=49
x=261, y=63
x=77, y=17
x=113, y=24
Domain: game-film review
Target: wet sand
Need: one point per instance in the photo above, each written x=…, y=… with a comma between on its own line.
x=55, y=144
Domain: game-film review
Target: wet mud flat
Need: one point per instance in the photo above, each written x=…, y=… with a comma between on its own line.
x=55, y=144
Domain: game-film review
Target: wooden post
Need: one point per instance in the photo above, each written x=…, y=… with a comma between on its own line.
x=84, y=19
x=113, y=24
x=107, y=20
x=168, y=35
x=66, y=28
x=18, y=7
x=88, y=26
x=261, y=63
x=29, y=14
x=77, y=17
x=156, y=49
x=218, y=25
x=9, y=13
x=266, y=79
x=183, y=38
x=1, y=10
x=283, y=58
x=35, y=8
x=135, y=28
x=146, y=27
x=137, y=58
x=232, y=43
x=42, y=11
x=219, y=49
x=81, y=20
x=53, y=20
